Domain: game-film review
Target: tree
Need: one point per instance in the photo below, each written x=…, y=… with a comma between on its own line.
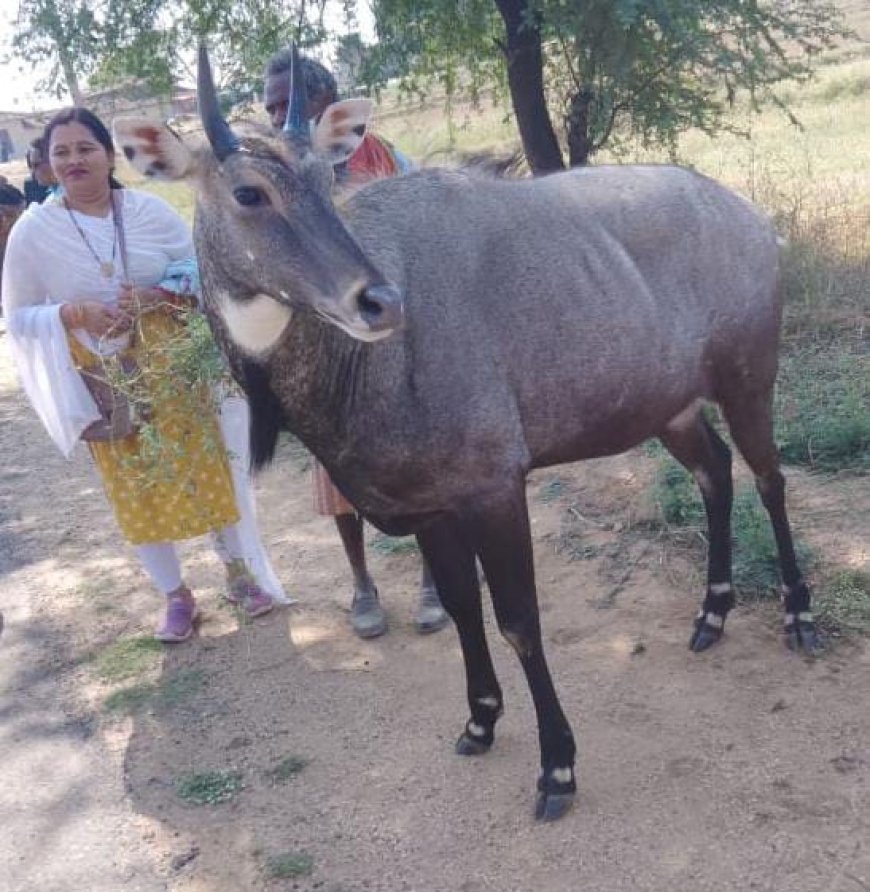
x=613, y=69
x=64, y=31
x=106, y=41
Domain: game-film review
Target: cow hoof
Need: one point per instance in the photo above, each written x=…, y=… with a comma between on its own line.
x=802, y=636
x=704, y=637
x=552, y=806
x=468, y=746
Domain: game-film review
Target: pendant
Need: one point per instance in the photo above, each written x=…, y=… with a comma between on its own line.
x=107, y=269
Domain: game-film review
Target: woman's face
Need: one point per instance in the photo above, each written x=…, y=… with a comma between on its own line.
x=80, y=163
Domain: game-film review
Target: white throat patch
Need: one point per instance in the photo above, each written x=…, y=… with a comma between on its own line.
x=255, y=325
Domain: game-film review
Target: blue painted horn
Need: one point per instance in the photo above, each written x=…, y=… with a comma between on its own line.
x=223, y=141
x=296, y=124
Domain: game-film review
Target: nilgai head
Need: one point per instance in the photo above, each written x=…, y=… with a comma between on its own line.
x=268, y=238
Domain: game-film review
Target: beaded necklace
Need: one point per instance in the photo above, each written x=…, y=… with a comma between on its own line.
x=107, y=267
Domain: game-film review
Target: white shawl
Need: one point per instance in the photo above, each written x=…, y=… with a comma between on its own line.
x=47, y=264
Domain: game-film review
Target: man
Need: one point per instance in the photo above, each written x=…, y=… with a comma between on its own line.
x=374, y=159
x=41, y=180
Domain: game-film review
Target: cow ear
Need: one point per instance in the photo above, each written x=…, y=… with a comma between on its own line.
x=153, y=149
x=341, y=129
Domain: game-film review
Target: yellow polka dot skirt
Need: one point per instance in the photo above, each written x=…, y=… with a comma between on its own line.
x=172, y=480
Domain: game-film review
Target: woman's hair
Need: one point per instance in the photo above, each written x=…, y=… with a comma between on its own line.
x=88, y=119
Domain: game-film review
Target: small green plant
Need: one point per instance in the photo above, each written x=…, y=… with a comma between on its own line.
x=823, y=408
x=394, y=544
x=552, y=490
x=677, y=497
x=755, y=556
x=844, y=603
x=129, y=658
x=131, y=699
x=180, y=686
x=289, y=864
x=172, y=690
x=208, y=787
x=287, y=769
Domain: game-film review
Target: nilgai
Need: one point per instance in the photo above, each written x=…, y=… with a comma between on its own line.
x=443, y=333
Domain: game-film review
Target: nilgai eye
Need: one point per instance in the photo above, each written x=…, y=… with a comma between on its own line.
x=248, y=196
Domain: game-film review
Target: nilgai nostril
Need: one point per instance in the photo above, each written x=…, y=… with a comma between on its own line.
x=381, y=307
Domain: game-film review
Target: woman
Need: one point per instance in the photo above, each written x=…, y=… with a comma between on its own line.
x=80, y=283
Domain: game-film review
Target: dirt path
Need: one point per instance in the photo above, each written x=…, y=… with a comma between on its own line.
x=745, y=769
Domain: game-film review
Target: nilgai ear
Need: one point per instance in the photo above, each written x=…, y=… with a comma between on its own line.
x=341, y=128
x=153, y=149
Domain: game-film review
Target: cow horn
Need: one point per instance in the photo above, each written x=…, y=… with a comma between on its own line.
x=223, y=141
x=296, y=125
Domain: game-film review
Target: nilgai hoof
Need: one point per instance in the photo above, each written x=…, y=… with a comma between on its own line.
x=802, y=636
x=468, y=746
x=552, y=806
x=556, y=789
x=704, y=636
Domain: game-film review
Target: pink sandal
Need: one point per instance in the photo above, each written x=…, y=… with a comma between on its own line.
x=180, y=613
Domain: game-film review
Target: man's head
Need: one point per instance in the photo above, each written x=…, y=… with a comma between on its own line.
x=320, y=87
x=37, y=161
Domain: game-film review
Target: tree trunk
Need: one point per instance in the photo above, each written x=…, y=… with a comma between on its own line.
x=69, y=73
x=579, y=147
x=526, y=81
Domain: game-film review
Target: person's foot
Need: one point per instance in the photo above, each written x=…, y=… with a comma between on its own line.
x=245, y=593
x=367, y=617
x=431, y=615
x=180, y=613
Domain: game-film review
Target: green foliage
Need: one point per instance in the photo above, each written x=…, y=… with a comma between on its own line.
x=627, y=70
x=677, y=497
x=823, y=407
x=394, y=544
x=614, y=70
x=844, y=602
x=552, y=490
x=755, y=557
x=65, y=32
x=756, y=561
x=110, y=41
x=289, y=864
x=128, y=658
x=129, y=700
x=288, y=768
x=177, y=688
x=208, y=787
x=182, y=370
x=428, y=42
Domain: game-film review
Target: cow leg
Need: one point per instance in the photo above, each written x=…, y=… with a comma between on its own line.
x=695, y=444
x=500, y=530
x=751, y=427
x=452, y=564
